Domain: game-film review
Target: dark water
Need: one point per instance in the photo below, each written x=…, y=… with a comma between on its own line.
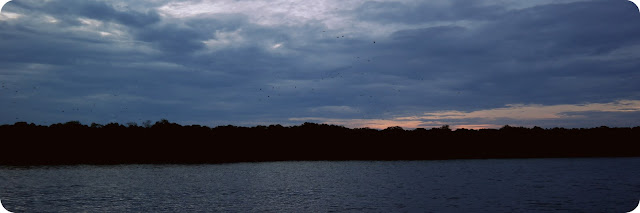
x=515, y=185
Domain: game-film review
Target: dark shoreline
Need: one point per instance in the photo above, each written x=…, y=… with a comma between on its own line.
x=164, y=142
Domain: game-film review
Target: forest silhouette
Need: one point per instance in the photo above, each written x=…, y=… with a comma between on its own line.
x=165, y=142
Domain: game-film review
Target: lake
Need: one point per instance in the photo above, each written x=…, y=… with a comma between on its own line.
x=504, y=185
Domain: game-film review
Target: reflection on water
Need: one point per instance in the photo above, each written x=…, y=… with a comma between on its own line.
x=518, y=185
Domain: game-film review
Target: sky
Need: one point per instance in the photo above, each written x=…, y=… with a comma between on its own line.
x=408, y=63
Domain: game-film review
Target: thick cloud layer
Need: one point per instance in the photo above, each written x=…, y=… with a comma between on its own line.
x=476, y=64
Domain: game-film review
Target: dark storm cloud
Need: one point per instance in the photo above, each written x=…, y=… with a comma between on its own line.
x=119, y=60
x=593, y=27
x=60, y=42
x=172, y=38
x=533, y=34
x=524, y=54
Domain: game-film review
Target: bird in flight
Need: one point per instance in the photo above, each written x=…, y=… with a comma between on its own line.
x=636, y=2
x=2, y=3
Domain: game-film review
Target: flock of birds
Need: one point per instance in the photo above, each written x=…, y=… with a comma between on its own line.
x=330, y=75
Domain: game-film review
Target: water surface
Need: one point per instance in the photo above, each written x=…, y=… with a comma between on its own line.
x=506, y=185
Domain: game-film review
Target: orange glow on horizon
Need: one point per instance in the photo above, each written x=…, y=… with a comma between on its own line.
x=478, y=126
x=482, y=119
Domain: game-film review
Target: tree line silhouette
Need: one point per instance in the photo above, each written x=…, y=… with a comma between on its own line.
x=165, y=142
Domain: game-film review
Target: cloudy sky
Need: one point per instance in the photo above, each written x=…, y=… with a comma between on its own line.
x=356, y=63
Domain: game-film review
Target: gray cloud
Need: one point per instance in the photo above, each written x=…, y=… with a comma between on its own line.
x=103, y=61
x=428, y=11
x=100, y=10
